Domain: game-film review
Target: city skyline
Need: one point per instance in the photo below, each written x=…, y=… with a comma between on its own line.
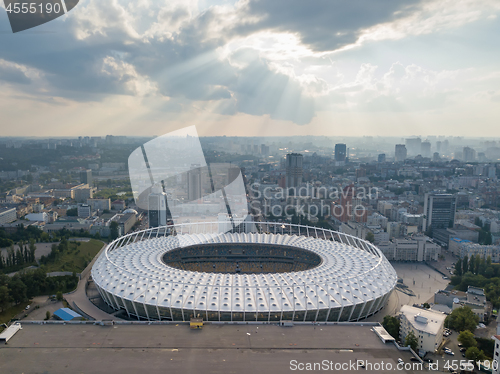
x=250, y=68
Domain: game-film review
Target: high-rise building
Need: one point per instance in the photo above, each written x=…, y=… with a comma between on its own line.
x=86, y=177
x=438, y=146
x=381, y=157
x=439, y=211
x=264, y=150
x=425, y=149
x=400, y=153
x=340, y=152
x=414, y=146
x=294, y=169
x=157, y=207
x=469, y=154
x=194, y=183
x=351, y=206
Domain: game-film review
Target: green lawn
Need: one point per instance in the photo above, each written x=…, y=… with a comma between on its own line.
x=112, y=193
x=77, y=257
x=10, y=313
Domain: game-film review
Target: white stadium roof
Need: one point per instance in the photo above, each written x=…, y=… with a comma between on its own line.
x=346, y=276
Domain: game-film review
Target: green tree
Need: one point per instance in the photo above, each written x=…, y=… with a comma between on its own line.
x=4, y=298
x=427, y=306
x=458, y=267
x=391, y=325
x=32, y=250
x=472, y=263
x=467, y=339
x=465, y=264
x=59, y=296
x=462, y=319
x=72, y=212
x=47, y=315
x=370, y=237
x=473, y=353
x=113, y=229
x=17, y=289
x=411, y=340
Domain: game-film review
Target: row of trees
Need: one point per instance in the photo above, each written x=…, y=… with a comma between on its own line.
x=24, y=255
x=26, y=285
x=484, y=232
x=476, y=265
x=24, y=234
x=392, y=326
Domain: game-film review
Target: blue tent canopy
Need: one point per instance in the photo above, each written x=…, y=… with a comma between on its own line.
x=66, y=314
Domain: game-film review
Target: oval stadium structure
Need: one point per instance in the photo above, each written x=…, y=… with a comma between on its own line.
x=278, y=272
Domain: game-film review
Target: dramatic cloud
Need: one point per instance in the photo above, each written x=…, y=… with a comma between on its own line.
x=283, y=59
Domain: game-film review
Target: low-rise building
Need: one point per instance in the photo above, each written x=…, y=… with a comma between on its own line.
x=474, y=298
x=118, y=205
x=415, y=248
x=461, y=248
x=40, y=217
x=427, y=325
x=84, y=210
x=7, y=215
x=99, y=204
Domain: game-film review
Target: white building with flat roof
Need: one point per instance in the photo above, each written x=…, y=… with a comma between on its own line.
x=7, y=215
x=426, y=324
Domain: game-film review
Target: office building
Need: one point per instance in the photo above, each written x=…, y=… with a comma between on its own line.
x=157, y=207
x=416, y=248
x=381, y=157
x=469, y=154
x=99, y=204
x=83, y=194
x=83, y=210
x=400, y=153
x=86, y=177
x=425, y=149
x=294, y=169
x=340, y=152
x=194, y=183
x=439, y=211
x=414, y=146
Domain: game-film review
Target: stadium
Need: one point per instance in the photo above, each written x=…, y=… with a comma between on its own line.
x=274, y=272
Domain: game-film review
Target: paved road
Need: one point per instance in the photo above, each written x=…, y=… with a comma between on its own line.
x=81, y=300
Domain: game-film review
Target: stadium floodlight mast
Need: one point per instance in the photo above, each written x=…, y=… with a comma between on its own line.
x=171, y=172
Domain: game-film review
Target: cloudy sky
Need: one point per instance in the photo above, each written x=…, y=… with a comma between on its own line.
x=255, y=67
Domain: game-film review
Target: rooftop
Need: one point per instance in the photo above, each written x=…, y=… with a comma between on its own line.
x=216, y=349
x=424, y=320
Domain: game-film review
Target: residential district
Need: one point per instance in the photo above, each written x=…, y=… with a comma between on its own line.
x=430, y=204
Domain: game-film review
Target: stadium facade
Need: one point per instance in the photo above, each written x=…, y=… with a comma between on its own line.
x=277, y=272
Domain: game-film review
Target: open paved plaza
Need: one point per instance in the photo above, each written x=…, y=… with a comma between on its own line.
x=421, y=279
